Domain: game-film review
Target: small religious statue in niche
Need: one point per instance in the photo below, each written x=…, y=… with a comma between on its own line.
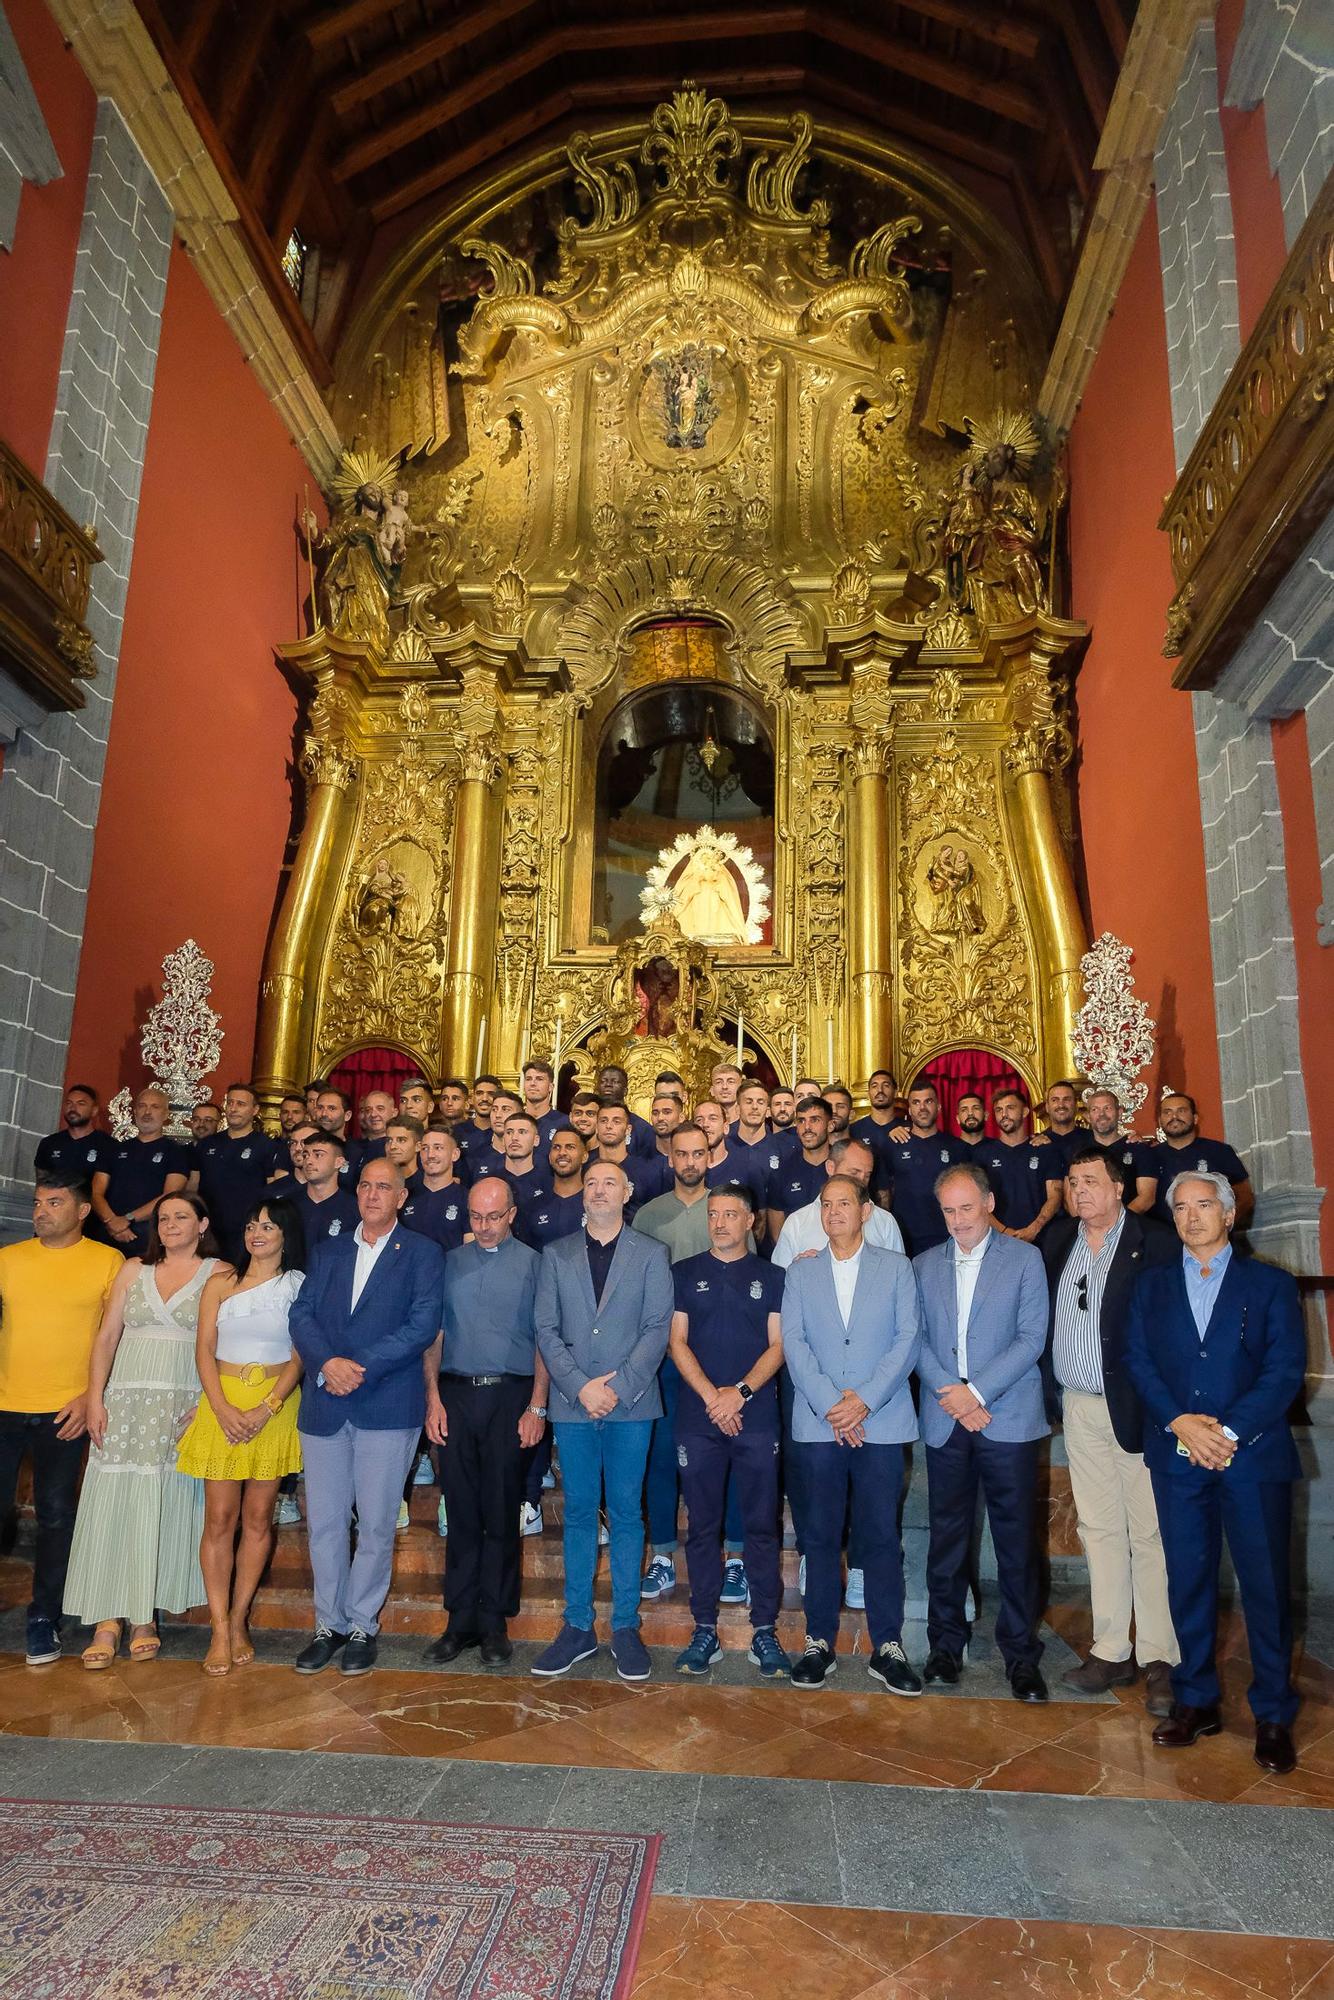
x=658, y=985
x=359, y=555
x=992, y=528
x=386, y=904
x=956, y=901
x=712, y=888
x=687, y=406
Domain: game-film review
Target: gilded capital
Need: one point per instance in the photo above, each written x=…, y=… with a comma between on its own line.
x=871, y=752
x=325, y=762
x=1042, y=740
x=479, y=758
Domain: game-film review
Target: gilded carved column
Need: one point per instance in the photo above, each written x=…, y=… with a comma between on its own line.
x=869, y=877
x=1042, y=745
x=471, y=963
x=283, y=1039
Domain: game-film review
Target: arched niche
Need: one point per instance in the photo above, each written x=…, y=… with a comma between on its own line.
x=674, y=756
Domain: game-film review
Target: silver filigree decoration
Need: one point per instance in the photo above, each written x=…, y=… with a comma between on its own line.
x=182, y=1037
x=1113, y=1038
x=121, y=1113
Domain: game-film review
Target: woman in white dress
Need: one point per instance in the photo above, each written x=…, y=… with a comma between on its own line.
x=243, y=1439
x=136, y=1534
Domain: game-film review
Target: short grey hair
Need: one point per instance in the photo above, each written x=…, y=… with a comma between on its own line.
x=840, y=1146
x=1220, y=1183
x=966, y=1170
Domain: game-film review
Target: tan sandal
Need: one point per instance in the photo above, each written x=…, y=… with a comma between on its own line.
x=98, y=1656
x=243, y=1652
x=146, y=1647
x=218, y=1659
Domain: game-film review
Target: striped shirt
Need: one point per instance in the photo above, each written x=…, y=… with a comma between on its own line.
x=1076, y=1351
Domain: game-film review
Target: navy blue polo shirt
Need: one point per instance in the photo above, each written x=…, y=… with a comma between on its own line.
x=1135, y=1157
x=878, y=1139
x=337, y=1215
x=354, y=1159
x=728, y=1308
x=233, y=1174
x=542, y=1222
x=471, y=1140
x=795, y=1184
x=916, y=1164
x=1018, y=1176
x=648, y=1175
x=750, y=1165
x=642, y=1139
x=138, y=1171
x=440, y=1213
x=480, y=1161
x=60, y=1153
x=535, y=1185
x=548, y=1125
x=370, y=1149
x=1201, y=1156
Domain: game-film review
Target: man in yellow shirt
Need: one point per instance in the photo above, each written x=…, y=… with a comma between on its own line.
x=53, y=1291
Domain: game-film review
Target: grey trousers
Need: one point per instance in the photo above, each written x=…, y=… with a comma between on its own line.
x=367, y=1468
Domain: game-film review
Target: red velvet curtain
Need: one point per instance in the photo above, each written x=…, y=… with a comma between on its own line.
x=371, y=1069
x=970, y=1072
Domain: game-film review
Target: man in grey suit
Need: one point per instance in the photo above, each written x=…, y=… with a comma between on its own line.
x=604, y=1312
x=984, y=1327
x=850, y=1338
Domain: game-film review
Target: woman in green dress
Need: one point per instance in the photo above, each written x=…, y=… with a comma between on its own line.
x=136, y=1536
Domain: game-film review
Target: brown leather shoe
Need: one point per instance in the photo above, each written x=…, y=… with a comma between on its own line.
x=1273, y=1748
x=1096, y=1676
x=1186, y=1726
x=1158, y=1688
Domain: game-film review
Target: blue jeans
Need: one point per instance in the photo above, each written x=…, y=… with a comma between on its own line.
x=614, y=1453
x=662, y=1484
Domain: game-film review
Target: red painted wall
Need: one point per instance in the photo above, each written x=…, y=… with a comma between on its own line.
x=1257, y=205
x=196, y=803
x=36, y=276
x=1138, y=791
x=1315, y=962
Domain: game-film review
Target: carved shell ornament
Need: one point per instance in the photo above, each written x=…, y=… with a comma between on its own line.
x=673, y=890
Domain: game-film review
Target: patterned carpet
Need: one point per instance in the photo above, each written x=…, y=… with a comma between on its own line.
x=138, y=1902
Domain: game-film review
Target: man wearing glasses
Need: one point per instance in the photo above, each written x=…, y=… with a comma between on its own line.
x=1093, y=1260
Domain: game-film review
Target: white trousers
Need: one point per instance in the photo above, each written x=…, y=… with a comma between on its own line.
x=1118, y=1525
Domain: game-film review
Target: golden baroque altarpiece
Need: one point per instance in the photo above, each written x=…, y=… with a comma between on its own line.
x=715, y=372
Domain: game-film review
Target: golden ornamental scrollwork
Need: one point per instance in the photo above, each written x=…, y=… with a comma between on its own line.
x=326, y=762
x=691, y=143
x=1042, y=739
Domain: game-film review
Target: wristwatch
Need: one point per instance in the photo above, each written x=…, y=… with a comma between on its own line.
x=537, y=1410
x=745, y=1391
x=273, y=1402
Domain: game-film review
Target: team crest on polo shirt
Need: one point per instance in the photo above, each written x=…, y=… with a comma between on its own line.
x=245, y=1154
x=158, y=1159
x=945, y=1154
x=774, y=1163
x=1201, y=1166
x=92, y=1155
x=452, y=1212
x=1032, y=1166
x=336, y=1227
x=756, y=1289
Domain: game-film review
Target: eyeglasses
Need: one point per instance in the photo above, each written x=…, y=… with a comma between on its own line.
x=1082, y=1293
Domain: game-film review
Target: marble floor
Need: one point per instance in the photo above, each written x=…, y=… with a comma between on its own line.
x=837, y=1843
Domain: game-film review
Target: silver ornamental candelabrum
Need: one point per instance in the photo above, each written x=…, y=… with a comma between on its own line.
x=182, y=1038
x=121, y=1113
x=1113, y=1038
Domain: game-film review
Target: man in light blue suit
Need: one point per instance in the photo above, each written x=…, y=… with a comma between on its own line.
x=984, y=1328
x=604, y=1312
x=368, y=1311
x=1215, y=1347
x=850, y=1337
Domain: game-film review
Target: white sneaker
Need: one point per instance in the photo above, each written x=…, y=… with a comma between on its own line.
x=287, y=1514
x=530, y=1518
x=604, y=1532
x=855, y=1594
x=425, y=1473
x=801, y=1577
x=441, y=1518
x=403, y=1517
x=548, y=1481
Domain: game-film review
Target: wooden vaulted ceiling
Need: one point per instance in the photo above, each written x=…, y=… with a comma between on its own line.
x=342, y=116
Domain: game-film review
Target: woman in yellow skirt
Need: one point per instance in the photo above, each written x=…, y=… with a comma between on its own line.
x=243, y=1437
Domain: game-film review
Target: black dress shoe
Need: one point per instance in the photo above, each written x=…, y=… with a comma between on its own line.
x=1273, y=1748
x=1187, y=1725
x=942, y=1665
x=1027, y=1684
x=359, y=1653
x=496, y=1650
x=449, y=1645
x=323, y=1648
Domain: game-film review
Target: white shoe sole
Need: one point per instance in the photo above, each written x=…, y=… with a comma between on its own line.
x=909, y=1694
x=813, y=1687
x=554, y=1673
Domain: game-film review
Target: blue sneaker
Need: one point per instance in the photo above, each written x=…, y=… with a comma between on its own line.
x=735, y=1590
x=766, y=1654
x=631, y=1655
x=702, y=1653
x=659, y=1578
x=43, y=1641
x=565, y=1651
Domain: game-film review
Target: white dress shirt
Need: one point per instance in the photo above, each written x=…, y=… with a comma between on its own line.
x=367, y=1253
x=845, y=1280
x=804, y=1231
x=967, y=1264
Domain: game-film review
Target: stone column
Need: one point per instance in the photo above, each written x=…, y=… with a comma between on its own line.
x=870, y=878
x=283, y=1041
x=52, y=778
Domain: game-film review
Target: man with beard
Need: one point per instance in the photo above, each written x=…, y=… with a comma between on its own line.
x=970, y=1115
x=1183, y=1148
x=1021, y=1174
x=79, y=1147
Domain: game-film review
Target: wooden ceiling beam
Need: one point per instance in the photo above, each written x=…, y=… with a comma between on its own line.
x=286, y=211
x=288, y=107
x=198, y=26
x=1021, y=34
x=1092, y=71
x=239, y=74
x=1046, y=255
x=385, y=139
x=381, y=74
x=590, y=98
x=333, y=24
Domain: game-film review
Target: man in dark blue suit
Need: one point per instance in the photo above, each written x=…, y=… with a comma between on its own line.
x=1215, y=1347
x=367, y=1313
